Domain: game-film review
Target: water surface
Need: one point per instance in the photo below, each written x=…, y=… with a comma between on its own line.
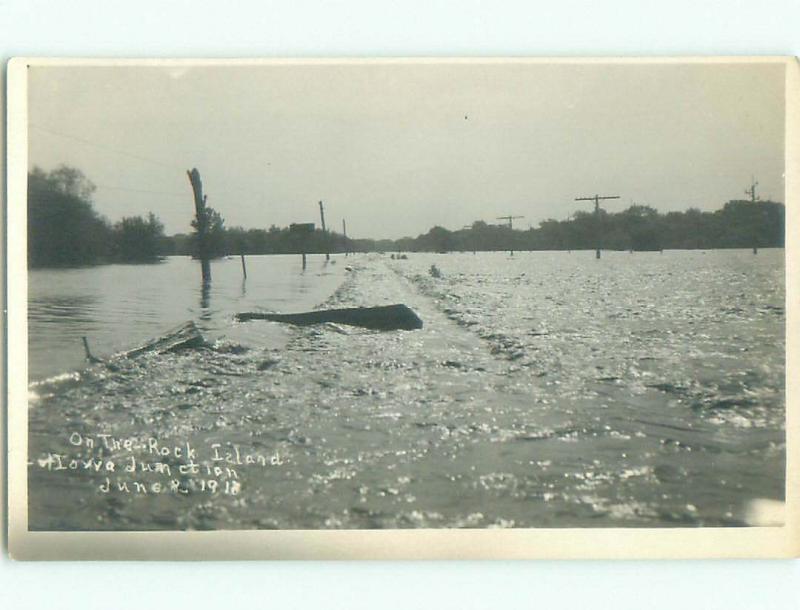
x=545, y=390
x=120, y=306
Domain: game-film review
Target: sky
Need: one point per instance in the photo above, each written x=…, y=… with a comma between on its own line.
x=396, y=148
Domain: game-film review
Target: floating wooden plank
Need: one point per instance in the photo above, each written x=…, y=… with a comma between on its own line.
x=386, y=317
x=185, y=336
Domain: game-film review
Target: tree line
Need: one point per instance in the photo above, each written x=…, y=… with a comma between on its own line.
x=65, y=230
x=738, y=224
x=275, y=240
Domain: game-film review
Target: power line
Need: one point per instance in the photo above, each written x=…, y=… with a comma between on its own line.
x=104, y=147
x=130, y=190
x=131, y=155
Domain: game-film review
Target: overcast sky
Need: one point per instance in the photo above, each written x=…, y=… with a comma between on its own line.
x=398, y=148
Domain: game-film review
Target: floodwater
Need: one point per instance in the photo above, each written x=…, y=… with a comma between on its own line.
x=546, y=389
x=118, y=307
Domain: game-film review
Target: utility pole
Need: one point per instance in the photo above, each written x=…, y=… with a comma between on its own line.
x=753, y=198
x=752, y=190
x=510, y=220
x=469, y=228
x=324, y=232
x=597, y=199
x=344, y=232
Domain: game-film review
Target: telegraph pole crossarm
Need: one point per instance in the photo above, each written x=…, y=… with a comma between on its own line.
x=510, y=220
x=752, y=190
x=597, y=199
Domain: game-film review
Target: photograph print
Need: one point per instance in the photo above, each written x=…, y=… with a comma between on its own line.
x=371, y=295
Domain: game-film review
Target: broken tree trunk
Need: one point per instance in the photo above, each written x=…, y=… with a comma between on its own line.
x=185, y=336
x=201, y=217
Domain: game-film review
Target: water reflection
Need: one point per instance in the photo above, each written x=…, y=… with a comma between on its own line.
x=205, y=294
x=205, y=299
x=72, y=309
x=120, y=306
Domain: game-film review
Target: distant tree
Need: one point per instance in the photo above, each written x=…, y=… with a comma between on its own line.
x=63, y=227
x=638, y=228
x=72, y=181
x=215, y=234
x=180, y=244
x=551, y=235
x=404, y=244
x=739, y=224
x=137, y=239
x=438, y=239
x=751, y=224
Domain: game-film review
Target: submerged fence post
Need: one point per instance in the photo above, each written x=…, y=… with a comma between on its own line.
x=86, y=348
x=89, y=356
x=300, y=232
x=244, y=267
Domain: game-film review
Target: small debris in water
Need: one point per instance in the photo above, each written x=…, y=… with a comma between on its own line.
x=267, y=364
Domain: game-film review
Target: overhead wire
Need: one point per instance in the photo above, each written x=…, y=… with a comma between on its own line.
x=122, y=188
x=132, y=156
x=105, y=147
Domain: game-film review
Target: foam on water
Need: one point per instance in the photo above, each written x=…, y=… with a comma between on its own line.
x=547, y=390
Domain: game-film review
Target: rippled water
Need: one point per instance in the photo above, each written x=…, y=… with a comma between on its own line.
x=545, y=390
x=119, y=306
